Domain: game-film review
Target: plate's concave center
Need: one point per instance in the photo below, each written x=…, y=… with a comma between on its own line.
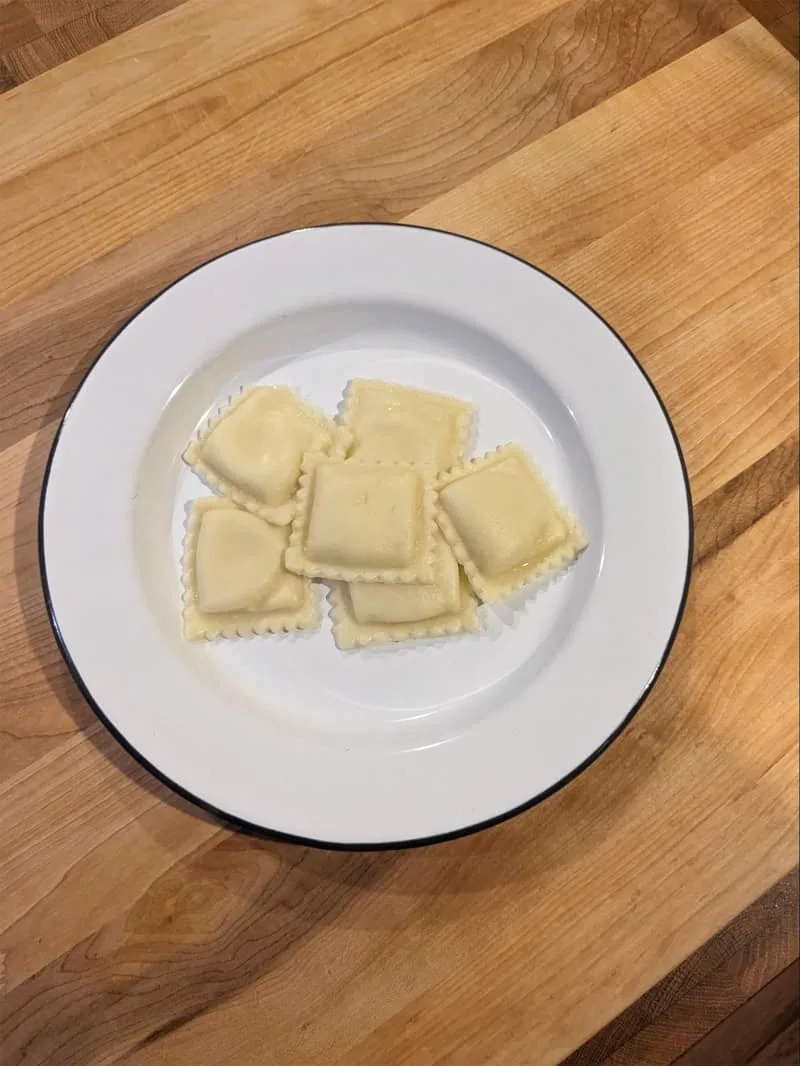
x=410, y=695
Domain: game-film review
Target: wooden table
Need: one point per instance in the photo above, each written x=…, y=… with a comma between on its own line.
x=646, y=154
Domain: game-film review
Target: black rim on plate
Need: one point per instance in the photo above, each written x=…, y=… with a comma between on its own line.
x=332, y=845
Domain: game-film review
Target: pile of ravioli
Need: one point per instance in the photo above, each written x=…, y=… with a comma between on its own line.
x=380, y=503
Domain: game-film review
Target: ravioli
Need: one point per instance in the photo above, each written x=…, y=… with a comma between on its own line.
x=251, y=452
x=396, y=423
x=360, y=521
x=235, y=583
x=380, y=502
x=504, y=524
x=369, y=613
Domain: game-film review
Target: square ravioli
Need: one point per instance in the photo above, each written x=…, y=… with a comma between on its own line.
x=359, y=521
x=369, y=613
x=504, y=524
x=395, y=423
x=235, y=583
x=252, y=450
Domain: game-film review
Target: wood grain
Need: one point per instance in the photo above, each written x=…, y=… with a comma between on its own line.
x=271, y=117
x=747, y=1035
x=780, y=17
x=316, y=188
x=687, y=1009
x=783, y=1050
x=17, y=25
x=37, y=35
x=646, y=154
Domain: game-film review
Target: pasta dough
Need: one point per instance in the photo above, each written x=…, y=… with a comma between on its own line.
x=251, y=452
x=504, y=524
x=235, y=583
x=396, y=423
x=359, y=521
x=381, y=503
x=369, y=613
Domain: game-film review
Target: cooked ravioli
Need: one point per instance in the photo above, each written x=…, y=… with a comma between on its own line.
x=373, y=602
x=381, y=502
x=237, y=560
x=363, y=521
x=234, y=579
x=504, y=523
x=370, y=613
x=251, y=452
x=390, y=422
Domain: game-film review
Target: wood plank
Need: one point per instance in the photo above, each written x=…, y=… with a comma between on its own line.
x=740, y=1038
x=676, y=326
x=705, y=989
x=318, y=189
x=72, y=28
x=41, y=706
x=7, y=79
x=289, y=948
x=150, y=841
x=134, y=73
x=146, y=158
x=17, y=27
x=285, y=116
x=784, y=1050
x=51, y=14
x=780, y=17
x=31, y=58
x=610, y=166
x=59, y=46
x=742, y=501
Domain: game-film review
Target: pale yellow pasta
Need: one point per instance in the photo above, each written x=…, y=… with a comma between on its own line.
x=359, y=521
x=504, y=524
x=370, y=613
x=235, y=583
x=396, y=423
x=251, y=452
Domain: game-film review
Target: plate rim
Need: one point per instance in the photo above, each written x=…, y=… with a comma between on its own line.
x=262, y=830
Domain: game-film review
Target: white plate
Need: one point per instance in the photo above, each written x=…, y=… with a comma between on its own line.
x=374, y=747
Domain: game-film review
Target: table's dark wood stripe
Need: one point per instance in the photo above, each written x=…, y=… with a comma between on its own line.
x=758, y=1032
x=780, y=17
x=37, y=35
x=724, y=515
x=682, y=1018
